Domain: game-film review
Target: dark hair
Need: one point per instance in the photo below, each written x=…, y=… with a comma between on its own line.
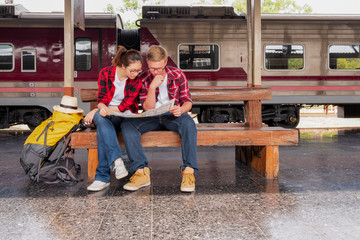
x=125, y=57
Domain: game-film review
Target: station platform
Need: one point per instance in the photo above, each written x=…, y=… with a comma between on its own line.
x=317, y=196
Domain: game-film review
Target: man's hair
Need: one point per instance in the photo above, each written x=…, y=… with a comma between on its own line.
x=156, y=53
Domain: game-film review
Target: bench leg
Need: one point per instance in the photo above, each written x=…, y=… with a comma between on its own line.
x=92, y=164
x=262, y=159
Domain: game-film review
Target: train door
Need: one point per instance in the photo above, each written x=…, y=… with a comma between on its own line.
x=87, y=59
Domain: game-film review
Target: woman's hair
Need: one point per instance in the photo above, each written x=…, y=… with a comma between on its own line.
x=156, y=53
x=125, y=57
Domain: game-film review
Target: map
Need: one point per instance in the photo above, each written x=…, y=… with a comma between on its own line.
x=153, y=112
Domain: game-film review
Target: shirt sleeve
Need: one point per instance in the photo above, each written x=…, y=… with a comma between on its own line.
x=144, y=87
x=131, y=95
x=103, y=91
x=184, y=93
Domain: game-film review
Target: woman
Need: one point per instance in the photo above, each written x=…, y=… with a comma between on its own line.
x=118, y=91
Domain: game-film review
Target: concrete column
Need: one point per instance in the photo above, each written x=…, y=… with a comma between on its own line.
x=69, y=47
x=257, y=54
x=254, y=43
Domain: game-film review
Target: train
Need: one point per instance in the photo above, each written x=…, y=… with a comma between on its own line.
x=309, y=59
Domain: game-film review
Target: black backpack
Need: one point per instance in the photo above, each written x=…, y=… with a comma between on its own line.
x=60, y=165
x=47, y=156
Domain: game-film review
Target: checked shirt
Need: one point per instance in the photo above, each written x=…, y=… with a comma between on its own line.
x=107, y=90
x=177, y=86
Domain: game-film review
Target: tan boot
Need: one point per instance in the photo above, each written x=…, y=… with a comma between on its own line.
x=188, y=182
x=138, y=180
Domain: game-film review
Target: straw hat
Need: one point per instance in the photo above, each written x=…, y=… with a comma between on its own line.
x=68, y=105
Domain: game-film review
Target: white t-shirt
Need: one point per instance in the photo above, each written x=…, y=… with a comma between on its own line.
x=163, y=96
x=119, y=92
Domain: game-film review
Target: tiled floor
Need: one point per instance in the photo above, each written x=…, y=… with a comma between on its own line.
x=317, y=196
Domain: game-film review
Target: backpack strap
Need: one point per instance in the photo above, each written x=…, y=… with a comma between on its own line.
x=64, y=147
x=44, y=148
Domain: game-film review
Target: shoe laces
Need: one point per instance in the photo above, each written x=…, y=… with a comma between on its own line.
x=116, y=165
x=187, y=178
x=136, y=175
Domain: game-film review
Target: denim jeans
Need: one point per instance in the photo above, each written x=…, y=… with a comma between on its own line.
x=108, y=145
x=132, y=128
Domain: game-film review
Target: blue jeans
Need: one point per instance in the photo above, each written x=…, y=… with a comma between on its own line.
x=108, y=145
x=132, y=128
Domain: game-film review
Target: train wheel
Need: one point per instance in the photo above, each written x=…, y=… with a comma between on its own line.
x=204, y=116
x=291, y=121
x=35, y=118
x=34, y=121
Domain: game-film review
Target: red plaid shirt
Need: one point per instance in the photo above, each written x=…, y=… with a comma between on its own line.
x=177, y=86
x=107, y=90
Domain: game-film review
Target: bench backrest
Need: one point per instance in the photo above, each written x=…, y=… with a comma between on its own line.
x=252, y=98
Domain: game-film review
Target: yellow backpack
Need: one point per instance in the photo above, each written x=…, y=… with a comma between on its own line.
x=43, y=154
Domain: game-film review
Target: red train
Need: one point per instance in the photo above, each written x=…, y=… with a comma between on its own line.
x=308, y=59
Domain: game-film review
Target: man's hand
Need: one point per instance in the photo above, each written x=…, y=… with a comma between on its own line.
x=157, y=81
x=176, y=111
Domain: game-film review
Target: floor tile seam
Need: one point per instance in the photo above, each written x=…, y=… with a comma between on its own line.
x=151, y=212
x=201, y=220
x=131, y=211
x=305, y=222
x=219, y=209
x=103, y=216
x=332, y=226
x=99, y=226
x=323, y=236
x=175, y=211
x=85, y=212
x=60, y=211
x=252, y=220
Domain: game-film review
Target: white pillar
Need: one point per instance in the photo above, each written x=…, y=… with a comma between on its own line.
x=254, y=43
x=69, y=47
x=257, y=54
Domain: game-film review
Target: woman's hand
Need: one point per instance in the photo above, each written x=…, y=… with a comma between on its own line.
x=113, y=109
x=90, y=116
x=104, y=111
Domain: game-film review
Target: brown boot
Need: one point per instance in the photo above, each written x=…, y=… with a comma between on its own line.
x=138, y=180
x=188, y=182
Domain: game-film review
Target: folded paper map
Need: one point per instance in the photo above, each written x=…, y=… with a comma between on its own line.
x=153, y=112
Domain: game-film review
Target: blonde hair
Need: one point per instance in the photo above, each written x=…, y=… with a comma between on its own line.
x=157, y=53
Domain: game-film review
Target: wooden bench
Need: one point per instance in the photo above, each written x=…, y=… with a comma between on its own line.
x=256, y=144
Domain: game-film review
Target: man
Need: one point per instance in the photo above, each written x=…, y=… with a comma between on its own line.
x=161, y=84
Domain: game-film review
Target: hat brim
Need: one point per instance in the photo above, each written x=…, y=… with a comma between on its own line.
x=67, y=110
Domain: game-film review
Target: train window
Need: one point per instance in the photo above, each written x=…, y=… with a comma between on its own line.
x=199, y=56
x=6, y=57
x=83, y=54
x=284, y=57
x=28, y=60
x=344, y=57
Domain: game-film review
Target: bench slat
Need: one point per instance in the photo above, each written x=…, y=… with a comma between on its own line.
x=218, y=136
x=230, y=94
x=208, y=94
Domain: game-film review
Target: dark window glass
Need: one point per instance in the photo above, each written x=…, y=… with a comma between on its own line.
x=285, y=57
x=199, y=57
x=344, y=57
x=83, y=54
x=6, y=57
x=28, y=60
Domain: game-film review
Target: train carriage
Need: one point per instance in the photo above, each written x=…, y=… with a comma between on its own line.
x=307, y=59
x=32, y=60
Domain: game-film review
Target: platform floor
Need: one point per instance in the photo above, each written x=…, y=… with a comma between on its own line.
x=317, y=196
